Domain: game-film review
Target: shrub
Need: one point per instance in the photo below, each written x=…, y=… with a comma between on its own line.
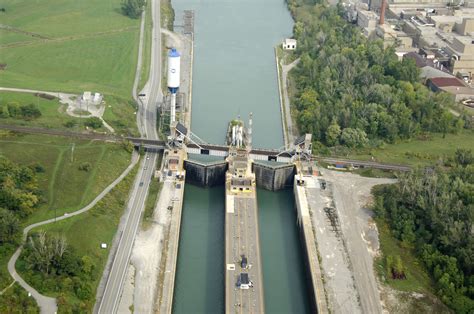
x=93, y=122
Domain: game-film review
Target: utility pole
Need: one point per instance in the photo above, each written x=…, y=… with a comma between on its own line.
x=72, y=152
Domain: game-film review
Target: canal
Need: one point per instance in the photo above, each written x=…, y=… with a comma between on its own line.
x=235, y=74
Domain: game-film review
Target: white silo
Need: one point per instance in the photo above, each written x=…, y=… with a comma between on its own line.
x=174, y=68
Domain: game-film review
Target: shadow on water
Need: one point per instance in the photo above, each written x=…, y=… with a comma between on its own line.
x=200, y=278
x=282, y=255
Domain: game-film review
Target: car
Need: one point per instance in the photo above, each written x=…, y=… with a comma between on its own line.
x=141, y=184
x=145, y=168
x=142, y=95
x=243, y=262
x=147, y=157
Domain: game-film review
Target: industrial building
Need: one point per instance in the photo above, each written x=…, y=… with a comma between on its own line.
x=438, y=35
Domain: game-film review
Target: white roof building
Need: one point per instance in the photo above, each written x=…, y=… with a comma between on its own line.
x=289, y=44
x=86, y=96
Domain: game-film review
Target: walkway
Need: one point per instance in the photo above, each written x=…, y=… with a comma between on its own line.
x=286, y=100
x=48, y=304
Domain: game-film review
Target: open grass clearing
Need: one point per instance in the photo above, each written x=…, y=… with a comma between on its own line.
x=417, y=279
x=57, y=18
x=420, y=152
x=146, y=51
x=119, y=113
x=105, y=65
x=64, y=187
x=101, y=223
x=53, y=113
x=89, y=45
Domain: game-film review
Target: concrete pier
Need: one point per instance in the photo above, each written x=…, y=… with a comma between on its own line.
x=316, y=291
x=174, y=178
x=243, y=270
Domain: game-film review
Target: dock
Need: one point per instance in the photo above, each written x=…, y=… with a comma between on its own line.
x=243, y=268
x=174, y=178
x=316, y=285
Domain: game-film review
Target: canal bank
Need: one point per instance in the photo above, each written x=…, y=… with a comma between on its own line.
x=235, y=74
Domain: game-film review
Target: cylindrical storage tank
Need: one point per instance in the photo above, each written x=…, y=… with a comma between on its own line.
x=174, y=59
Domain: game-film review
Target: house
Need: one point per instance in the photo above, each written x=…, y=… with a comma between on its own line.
x=289, y=44
x=451, y=85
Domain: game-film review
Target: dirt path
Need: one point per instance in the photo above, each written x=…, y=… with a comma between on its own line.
x=47, y=304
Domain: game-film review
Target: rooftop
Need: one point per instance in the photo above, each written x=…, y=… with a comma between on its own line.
x=446, y=81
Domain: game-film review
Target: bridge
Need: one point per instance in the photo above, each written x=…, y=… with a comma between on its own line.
x=204, y=149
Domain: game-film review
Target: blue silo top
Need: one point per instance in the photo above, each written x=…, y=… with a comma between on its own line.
x=173, y=53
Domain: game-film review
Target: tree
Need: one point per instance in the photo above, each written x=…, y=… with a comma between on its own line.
x=464, y=157
x=30, y=112
x=14, y=109
x=9, y=227
x=85, y=166
x=354, y=137
x=332, y=133
x=93, y=122
x=70, y=124
x=133, y=8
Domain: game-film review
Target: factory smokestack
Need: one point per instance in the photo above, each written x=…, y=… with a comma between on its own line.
x=382, y=12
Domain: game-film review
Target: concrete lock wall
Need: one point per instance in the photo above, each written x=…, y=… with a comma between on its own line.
x=205, y=175
x=274, y=177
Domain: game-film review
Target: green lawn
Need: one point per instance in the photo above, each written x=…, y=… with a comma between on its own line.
x=146, y=56
x=419, y=152
x=101, y=223
x=119, y=113
x=417, y=278
x=94, y=46
x=64, y=186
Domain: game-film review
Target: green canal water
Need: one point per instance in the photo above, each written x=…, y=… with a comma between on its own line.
x=234, y=74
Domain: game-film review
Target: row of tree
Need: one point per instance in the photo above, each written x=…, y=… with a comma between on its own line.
x=432, y=211
x=353, y=92
x=16, y=111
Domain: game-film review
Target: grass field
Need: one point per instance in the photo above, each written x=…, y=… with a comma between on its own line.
x=146, y=57
x=91, y=45
x=65, y=188
x=419, y=152
x=101, y=223
x=119, y=113
x=417, y=278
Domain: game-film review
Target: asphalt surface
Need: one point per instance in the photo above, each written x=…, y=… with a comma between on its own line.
x=147, y=125
x=242, y=239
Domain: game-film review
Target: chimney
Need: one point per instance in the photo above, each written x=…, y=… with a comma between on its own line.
x=382, y=12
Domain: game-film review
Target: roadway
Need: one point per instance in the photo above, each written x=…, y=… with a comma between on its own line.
x=242, y=239
x=147, y=125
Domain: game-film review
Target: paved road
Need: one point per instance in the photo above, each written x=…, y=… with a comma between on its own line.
x=147, y=124
x=242, y=239
x=47, y=304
